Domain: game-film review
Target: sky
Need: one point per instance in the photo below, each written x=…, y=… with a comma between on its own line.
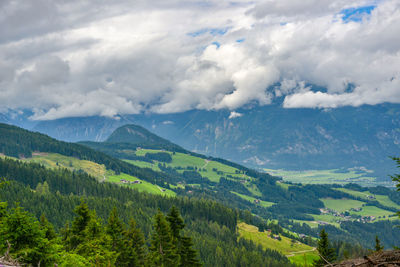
x=97, y=57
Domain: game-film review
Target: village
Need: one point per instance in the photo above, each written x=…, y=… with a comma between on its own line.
x=346, y=216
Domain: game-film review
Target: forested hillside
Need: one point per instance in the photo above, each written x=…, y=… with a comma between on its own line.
x=56, y=193
x=303, y=208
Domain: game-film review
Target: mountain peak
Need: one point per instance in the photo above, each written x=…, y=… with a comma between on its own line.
x=135, y=134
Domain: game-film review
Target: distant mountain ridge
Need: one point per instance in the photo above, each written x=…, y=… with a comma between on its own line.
x=266, y=137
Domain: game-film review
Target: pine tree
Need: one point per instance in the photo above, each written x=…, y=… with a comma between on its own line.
x=114, y=229
x=396, y=177
x=176, y=223
x=76, y=234
x=28, y=242
x=163, y=251
x=47, y=227
x=378, y=246
x=133, y=252
x=187, y=253
x=188, y=256
x=93, y=243
x=325, y=250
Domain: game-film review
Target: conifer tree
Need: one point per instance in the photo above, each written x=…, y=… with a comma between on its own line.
x=114, y=229
x=94, y=243
x=188, y=256
x=27, y=241
x=187, y=253
x=325, y=250
x=378, y=246
x=45, y=225
x=396, y=177
x=76, y=233
x=133, y=252
x=163, y=250
x=176, y=223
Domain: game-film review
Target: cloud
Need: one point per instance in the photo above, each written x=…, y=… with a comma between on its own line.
x=235, y=114
x=106, y=58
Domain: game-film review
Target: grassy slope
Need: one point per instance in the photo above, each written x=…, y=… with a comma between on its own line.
x=341, y=205
x=142, y=187
x=372, y=211
x=251, y=199
x=51, y=160
x=324, y=177
x=295, y=251
x=143, y=164
x=384, y=200
x=184, y=160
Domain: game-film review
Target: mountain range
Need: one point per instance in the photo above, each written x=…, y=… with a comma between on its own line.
x=263, y=136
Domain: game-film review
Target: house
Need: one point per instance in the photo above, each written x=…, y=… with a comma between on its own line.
x=256, y=201
x=123, y=181
x=276, y=237
x=137, y=182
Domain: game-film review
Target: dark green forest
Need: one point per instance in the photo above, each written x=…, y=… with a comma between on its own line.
x=55, y=194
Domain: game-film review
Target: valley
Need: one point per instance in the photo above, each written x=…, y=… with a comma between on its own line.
x=334, y=176
x=296, y=212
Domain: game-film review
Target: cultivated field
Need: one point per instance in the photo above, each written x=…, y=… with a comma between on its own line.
x=334, y=176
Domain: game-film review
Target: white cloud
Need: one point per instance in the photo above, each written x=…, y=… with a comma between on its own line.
x=99, y=58
x=235, y=114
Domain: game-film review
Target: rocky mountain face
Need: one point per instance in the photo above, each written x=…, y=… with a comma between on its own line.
x=80, y=128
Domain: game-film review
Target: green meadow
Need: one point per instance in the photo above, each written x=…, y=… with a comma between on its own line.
x=142, y=187
x=341, y=205
x=333, y=176
x=263, y=203
x=212, y=170
x=294, y=250
x=53, y=160
x=384, y=200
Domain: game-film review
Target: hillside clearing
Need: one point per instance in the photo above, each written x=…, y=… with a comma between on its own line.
x=295, y=251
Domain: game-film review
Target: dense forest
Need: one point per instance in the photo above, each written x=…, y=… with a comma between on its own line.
x=56, y=193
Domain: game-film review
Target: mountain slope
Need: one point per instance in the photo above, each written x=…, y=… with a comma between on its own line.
x=78, y=129
x=273, y=137
x=230, y=184
x=238, y=186
x=135, y=134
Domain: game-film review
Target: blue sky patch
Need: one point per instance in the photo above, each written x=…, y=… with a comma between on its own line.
x=240, y=40
x=216, y=44
x=212, y=31
x=356, y=14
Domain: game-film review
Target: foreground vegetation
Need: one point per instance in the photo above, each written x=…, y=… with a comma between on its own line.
x=87, y=242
